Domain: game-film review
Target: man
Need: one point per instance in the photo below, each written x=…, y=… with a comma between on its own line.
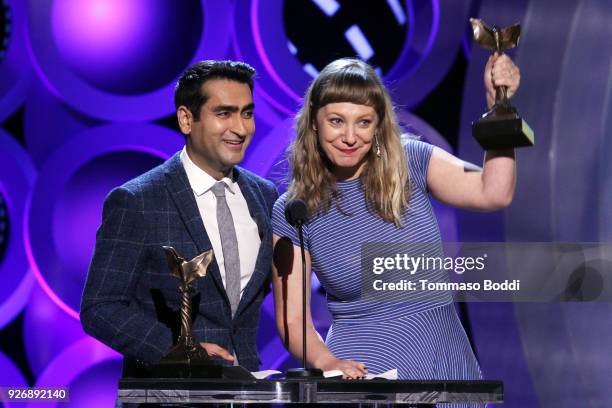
x=197, y=200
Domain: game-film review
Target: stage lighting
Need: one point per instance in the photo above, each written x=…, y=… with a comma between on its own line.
x=4, y=228
x=320, y=31
x=5, y=28
x=118, y=60
x=15, y=62
x=126, y=47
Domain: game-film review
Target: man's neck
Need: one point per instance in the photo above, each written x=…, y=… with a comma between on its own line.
x=216, y=173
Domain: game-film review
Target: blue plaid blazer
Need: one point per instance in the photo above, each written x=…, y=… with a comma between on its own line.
x=130, y=301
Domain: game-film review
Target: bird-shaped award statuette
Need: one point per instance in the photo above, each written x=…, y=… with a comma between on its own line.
x=501, y=127
x=187, y=359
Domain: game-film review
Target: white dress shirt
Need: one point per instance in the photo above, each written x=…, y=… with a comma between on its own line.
x=247, y=232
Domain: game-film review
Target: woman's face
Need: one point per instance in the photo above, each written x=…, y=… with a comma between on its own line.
x=346, y=134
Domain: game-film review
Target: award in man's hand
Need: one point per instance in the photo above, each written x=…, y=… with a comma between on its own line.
x=501, y=127
x=187, y=359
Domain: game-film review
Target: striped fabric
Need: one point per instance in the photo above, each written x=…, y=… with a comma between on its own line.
x=423, y=340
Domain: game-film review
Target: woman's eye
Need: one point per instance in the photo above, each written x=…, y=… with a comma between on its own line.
x=335, y=121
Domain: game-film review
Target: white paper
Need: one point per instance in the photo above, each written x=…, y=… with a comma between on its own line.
x=260, y=375
x=332, y=373
x=387, y=375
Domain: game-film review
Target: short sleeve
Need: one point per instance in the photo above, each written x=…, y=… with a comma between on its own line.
x=282, y=228
x=418, y=154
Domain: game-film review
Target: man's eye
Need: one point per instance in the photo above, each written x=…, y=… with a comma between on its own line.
x=223, y=114
x=247, y=114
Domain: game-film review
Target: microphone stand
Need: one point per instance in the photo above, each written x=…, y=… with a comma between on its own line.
x=303, y=372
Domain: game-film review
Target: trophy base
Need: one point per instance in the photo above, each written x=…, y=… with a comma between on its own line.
x=502, y=128
x=186, y=362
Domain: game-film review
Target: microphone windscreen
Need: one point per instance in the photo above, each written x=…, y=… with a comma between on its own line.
x=296, y=212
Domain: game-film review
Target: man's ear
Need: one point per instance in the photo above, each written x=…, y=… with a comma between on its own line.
x=185, y=119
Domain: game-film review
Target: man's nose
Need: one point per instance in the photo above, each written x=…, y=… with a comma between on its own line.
x=239, y=126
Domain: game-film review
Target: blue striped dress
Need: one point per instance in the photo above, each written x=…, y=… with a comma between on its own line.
x=423, y=340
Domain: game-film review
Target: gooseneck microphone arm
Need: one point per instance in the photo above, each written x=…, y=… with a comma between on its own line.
x=301, y=234
x=296, y=215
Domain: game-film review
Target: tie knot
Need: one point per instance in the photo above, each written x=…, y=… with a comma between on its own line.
x=218, y=189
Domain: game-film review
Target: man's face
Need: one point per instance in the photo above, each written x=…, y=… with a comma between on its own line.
x=220, y=138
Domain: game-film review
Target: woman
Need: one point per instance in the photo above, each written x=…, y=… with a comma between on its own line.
x=360, y=183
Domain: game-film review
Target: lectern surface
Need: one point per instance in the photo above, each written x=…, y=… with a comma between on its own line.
x=299, y=391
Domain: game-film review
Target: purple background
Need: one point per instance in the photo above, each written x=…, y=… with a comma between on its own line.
x=86, y=104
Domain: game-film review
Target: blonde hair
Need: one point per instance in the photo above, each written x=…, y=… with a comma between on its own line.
x=385, y=179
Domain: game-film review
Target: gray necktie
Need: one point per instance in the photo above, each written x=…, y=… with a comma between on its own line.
x=229, y=245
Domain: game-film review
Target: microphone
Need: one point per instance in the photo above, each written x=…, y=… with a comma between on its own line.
x=296, y=213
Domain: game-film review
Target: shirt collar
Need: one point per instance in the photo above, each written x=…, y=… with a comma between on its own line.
x=200, y=180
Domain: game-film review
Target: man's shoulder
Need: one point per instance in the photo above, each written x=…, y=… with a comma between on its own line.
x=149, y=182
x=265, y=185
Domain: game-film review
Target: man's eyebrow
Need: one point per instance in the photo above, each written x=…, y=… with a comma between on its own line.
x=225, y=108
x=233, y=108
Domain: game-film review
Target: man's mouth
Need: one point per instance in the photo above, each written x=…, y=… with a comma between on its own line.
x=234, y=142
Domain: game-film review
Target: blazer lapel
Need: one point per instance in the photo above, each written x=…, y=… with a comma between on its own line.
x=260, y=215
x=182, y=195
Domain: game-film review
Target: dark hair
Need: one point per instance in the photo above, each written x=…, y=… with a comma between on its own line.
x=188, y=91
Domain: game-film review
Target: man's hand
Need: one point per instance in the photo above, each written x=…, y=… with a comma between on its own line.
x=500, y=71
x=214, y=350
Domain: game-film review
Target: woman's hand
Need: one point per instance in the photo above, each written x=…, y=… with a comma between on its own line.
x=500, y=71
x=351, y=370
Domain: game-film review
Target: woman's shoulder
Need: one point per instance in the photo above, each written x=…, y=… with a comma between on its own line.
x=415, y=147
x=279, y=204
x=418, y=154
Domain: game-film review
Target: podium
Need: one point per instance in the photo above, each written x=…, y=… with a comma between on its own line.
x=210, y=393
